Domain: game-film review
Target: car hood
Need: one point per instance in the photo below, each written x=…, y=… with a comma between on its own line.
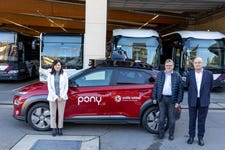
x=39, y=86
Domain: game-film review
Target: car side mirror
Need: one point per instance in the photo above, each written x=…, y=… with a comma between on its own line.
x=73, y=84
x=151, y=79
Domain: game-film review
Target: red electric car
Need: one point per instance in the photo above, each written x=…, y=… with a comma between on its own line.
x=101, y=94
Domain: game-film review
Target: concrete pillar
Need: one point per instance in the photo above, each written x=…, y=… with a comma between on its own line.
x=95, y=30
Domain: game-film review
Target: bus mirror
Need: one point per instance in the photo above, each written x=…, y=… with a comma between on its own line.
x=177, y=43
x=35, y=44
x=20, y=46
x=91, y=62
x=161, y=51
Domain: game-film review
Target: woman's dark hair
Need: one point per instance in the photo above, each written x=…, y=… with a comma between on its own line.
x=53, y=64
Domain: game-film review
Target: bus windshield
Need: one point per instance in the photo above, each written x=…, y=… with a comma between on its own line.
x=67, y=48
x=7, y=37
x=211, y=51
x=18, y=59
x=8, y=51
x=142, y=49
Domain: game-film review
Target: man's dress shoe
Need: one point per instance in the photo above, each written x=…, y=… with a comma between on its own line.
x=171, y=137
x=190, y=140
x=200, y=142
x=161, y=136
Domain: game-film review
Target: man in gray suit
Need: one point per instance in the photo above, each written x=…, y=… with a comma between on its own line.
x=199, y=84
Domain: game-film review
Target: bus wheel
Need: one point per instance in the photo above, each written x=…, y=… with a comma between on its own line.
x=150, y=120
x=39, y=117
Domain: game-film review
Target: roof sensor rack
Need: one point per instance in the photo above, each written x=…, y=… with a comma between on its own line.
x=119, y=63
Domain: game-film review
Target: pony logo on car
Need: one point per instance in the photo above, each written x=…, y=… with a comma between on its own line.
x=89, y=99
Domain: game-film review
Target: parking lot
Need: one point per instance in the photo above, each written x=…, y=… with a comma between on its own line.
x=111, y=137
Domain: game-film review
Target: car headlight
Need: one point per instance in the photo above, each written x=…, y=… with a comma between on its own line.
x=21, y=93
x=17, y=98
x=13, y=71
x=16, y=102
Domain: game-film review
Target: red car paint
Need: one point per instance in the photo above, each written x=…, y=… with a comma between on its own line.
x=115, y=102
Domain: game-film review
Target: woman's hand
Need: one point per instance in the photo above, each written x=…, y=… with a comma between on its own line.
x=59, y=99
x=177, y=105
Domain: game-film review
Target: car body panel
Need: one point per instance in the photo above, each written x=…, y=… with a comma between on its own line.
x=96, y=95
x=127, y=100
x=88, y=101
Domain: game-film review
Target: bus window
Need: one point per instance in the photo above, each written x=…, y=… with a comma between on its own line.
x=13, y=56
x=13, y=63
x=187, y=45
x=176, y=58
x=66, y=47
x=209, y=50
x=139, y=45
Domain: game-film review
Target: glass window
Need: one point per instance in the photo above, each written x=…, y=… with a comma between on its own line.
x=211, y=51
x=176, y=52
x=4, y=52
x=8, y=50
x=69, y=49
x=141, y=49
x=13, y=56
x=132, y=77
x=7, y=37
x=96, y=78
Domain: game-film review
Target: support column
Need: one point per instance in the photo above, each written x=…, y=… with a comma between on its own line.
x=95, y=30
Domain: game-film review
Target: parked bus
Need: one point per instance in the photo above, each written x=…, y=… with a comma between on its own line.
x=18, y=60
x=137, y=44
x=184, y=46
x=64, y=46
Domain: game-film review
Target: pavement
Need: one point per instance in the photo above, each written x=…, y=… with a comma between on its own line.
x=87, y=142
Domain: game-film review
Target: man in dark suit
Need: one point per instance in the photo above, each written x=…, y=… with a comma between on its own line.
x=168, y=92
x=199, y=84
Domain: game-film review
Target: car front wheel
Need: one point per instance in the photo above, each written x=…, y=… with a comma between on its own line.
x=39, y=117
x=150, y=120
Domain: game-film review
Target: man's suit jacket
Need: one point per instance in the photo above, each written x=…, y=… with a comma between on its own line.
x=177, y=87
x=205, y=89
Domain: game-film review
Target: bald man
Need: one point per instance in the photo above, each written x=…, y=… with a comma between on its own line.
x=199, y=84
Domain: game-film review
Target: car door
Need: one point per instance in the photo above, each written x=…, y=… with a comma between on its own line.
x=132, y=89
x=92, y=95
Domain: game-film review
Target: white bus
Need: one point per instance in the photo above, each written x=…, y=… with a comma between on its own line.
x=138, y=45
x=184, y=46
x=63, y=46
